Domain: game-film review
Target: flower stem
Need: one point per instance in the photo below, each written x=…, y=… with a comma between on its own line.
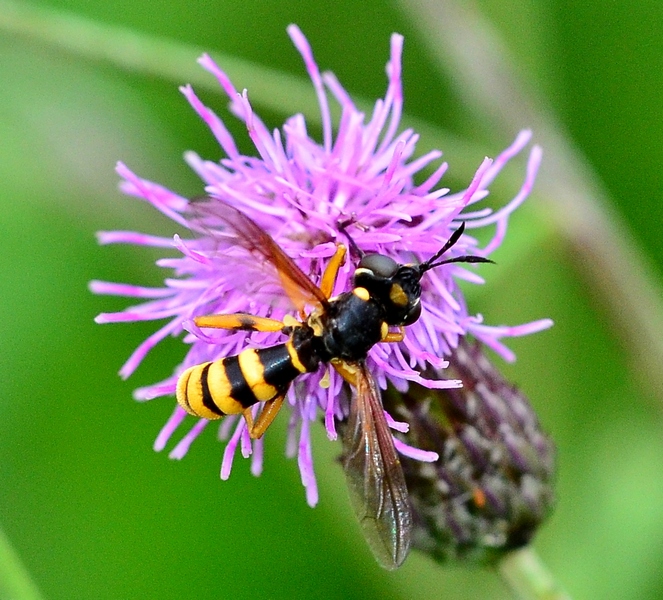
x=15, y=581
x=528, y=577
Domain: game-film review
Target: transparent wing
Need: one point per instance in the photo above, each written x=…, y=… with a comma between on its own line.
x=375, y=476
x=215, y=216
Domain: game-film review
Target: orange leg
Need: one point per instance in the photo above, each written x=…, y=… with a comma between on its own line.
x=239, y=321
x=331, y=271
x=345, y=370
x=267, y=415
x=394, y=336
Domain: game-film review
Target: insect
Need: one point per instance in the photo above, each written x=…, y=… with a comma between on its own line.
x=339, y=331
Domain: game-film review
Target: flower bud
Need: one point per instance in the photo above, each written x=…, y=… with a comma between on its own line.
x=493, y=483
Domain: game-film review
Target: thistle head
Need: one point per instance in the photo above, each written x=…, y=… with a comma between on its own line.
x=362, y=177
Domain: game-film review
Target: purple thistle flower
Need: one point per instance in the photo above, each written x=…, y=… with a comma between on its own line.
x=308, y=195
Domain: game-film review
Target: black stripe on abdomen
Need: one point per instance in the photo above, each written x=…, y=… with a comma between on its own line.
x=279, y=370
x=241, y=392
x=208, y=401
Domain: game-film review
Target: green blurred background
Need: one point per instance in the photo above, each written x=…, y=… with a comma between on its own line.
x=95, y=513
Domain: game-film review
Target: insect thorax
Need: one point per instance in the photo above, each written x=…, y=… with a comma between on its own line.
x=351, y=326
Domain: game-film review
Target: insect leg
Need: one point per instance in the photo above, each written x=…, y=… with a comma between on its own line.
x=239, y=321
x=331, y=271
x=248, y=417
x=345, y=370
x=394, y=336
x=265, y=418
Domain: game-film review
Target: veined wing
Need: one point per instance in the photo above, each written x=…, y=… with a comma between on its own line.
x=375, y=476
x=215, y=214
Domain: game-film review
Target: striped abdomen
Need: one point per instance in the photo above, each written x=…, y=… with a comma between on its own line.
x=230, y=385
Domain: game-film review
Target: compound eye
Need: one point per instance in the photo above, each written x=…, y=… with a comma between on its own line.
x=413, y=315
x=379, y=265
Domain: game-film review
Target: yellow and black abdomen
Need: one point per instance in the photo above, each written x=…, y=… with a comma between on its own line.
x=232, y=384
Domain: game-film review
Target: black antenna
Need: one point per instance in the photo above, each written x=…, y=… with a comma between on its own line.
x=455, y=236
x=353, y=245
